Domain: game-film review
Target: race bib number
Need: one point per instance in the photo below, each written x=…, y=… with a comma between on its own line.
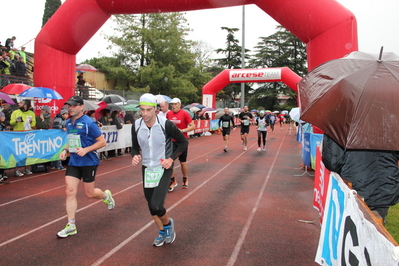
x=261, y=125
x=152, y=176
x=246, y=122
x=74, y=142
x=225, y=124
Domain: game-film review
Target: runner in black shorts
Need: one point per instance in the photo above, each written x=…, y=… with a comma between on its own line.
x=245, y=119
x=225, y=122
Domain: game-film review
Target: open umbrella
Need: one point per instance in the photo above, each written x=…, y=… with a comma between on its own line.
x=161, y=98
x=85, y=67
x=295, y=114
x=190, y=113
x=194, y=109
x=355, y=100
x=41, y=92
x=254, y=110
x=90, y=105
x=114, y=107
x=6, y=98
x=131, y=107
x=113, y=98
x=209, y=109
x=15, y=88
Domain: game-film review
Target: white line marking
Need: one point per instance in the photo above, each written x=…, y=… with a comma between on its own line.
x=237, y=248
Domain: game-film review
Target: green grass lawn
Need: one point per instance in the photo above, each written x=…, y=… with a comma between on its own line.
x=392, y=224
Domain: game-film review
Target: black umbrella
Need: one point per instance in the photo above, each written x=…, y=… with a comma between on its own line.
x=113, y=98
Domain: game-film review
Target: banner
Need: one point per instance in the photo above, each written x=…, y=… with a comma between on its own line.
x=321, y=185
x=315, y=140
x=20, y=148
x=346, y=237
x=306, y=149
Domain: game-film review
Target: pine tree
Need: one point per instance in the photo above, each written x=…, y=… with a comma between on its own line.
x=50, y=7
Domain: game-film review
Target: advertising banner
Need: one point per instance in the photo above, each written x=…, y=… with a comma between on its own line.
x=306, y=149
x=346, y=237
x=315, y=140
x=321, y=185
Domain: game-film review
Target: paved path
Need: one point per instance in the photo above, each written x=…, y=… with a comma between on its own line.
x=241, y=208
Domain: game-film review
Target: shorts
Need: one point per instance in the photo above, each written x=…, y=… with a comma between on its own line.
x=244, y=130
x=183, y=156
x=225, y=131
x=85, y=173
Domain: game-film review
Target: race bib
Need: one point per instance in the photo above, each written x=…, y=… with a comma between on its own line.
x=74, y=142
x=262, y=125
x=225, y=124
x=246, y=122
x=152, y=176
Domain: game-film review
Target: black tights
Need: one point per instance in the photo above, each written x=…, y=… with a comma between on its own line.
x=263, y=133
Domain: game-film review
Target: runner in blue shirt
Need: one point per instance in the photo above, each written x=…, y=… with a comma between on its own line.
x=84, y=139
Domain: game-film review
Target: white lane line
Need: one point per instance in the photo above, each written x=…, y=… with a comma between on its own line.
x=59, y=219
x=122, y=244
x=237, y=248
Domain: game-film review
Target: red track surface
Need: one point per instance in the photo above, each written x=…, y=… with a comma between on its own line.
x=241, y=208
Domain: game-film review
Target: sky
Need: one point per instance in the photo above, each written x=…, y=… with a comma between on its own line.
x=377, y=26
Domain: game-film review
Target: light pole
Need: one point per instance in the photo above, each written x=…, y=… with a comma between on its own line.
x=243, y=56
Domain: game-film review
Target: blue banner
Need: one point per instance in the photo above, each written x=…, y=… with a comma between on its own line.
x=306, y=148
x=214, y=125
x=315, y=140
x=30, y=147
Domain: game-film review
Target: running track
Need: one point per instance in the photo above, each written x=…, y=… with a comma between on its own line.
x=241, y=208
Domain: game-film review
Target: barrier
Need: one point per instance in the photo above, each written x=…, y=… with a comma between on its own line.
x=350, y=233
x=20, y=148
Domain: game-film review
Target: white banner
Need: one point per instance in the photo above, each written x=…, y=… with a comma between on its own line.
x=117, y=138
x=346, y=237
x=255, y=75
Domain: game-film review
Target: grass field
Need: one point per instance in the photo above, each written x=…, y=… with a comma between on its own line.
x=392, y=224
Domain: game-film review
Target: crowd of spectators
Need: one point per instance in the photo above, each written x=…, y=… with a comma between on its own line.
x=12, y=60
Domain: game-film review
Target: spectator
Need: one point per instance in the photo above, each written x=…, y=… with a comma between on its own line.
x=105, y=118
x=128, y=118
x=20, y=67
x=3, y=127
x=5, y=64
x=83, y=90
x=10, y=43
x=22, y=53
x=43, y=121
x=59, y=123
x=7, y=112
x=23, y=119
x=115, y=120
x=12, y=53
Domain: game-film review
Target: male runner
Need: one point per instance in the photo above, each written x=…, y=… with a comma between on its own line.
x=225, y=122
x=152, y=134
x=185, y=123
x=262, y=122
x=245, y=119
x=84, y=139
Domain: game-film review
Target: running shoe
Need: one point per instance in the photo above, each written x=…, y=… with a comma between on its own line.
x=264, y=148
x=3, y=177
x=68, y=231
x=110, y=200
x=61, y=168
x=172, y=185
x=185, y=182
x=225, y=149
x=160, y=240
x=258, y=149
x=18, y=173
x=27, y=171
x=170, y=233
x=245, y=148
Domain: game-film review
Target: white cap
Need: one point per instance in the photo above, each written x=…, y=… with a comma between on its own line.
x=148, y=99
x=175, y=100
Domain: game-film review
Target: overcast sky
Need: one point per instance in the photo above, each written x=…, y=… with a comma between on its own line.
x=378, y=23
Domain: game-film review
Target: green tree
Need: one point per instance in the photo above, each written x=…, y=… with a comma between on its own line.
x=153, y=48
x=232, y=60
x=281, y=49
x=50, y=7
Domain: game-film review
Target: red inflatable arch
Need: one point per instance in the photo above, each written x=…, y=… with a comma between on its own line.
x=328, y=29
x=228, y=76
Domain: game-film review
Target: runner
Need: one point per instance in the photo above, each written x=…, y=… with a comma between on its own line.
x=262, y=122
x=153, y=135
x=185, y=123
x=225, y=120
x=84, y=139
x=245, y=119
x=272, y=119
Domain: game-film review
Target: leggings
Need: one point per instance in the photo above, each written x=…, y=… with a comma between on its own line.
x=156, y=196
x=263, y=133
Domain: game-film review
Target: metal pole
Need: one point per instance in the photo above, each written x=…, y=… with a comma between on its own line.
x=243, y=56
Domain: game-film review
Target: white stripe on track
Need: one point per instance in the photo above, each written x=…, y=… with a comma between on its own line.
x=122, y=244
x=237, y=248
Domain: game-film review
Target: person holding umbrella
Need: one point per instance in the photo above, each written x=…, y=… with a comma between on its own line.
x=84, y=139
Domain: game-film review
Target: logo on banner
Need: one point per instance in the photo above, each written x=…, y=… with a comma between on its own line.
x=30, y=146
x=253, y=75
